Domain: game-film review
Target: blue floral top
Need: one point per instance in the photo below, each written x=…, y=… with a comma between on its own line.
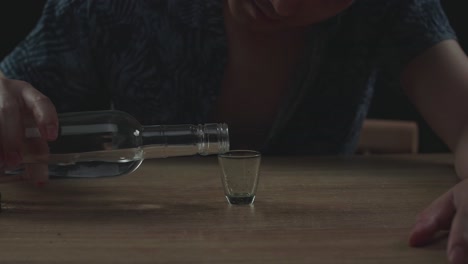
x=162, y=62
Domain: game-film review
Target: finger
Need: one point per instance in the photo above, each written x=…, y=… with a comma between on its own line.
x=436, y=217
x=457, y=248
x=38, y=173
x=11, y=128
x=2, y=156
x=7, y=178
x=43, y=111
x=37, y=170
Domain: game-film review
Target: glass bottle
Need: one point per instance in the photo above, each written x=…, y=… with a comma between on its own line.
x=112, y=143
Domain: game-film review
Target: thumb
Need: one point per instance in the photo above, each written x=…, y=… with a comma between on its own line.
x=438, y=216
x=38, y=171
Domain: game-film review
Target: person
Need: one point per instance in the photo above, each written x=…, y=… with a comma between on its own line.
x=288, y=76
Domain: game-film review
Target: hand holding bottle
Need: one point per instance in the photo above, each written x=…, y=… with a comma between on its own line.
x=22, y=106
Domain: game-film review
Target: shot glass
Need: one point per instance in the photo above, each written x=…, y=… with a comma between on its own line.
x=239, y=175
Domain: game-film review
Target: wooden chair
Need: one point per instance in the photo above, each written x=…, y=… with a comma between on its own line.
x=388, y=137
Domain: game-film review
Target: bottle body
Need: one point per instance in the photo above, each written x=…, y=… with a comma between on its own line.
x=113, y=143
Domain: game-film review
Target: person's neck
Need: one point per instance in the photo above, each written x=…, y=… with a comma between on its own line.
x=262, y=51
x=247, y=44
x=259, y=65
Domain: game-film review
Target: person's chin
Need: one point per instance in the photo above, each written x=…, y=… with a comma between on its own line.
x=249, y=15
x=256, y=24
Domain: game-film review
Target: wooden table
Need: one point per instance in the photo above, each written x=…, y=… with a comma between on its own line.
x=308, y=210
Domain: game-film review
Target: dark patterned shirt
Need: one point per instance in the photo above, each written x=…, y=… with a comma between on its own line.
x=162, y=62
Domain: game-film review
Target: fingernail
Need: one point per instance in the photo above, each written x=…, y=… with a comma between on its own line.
x=51, y=132
x=457, y=255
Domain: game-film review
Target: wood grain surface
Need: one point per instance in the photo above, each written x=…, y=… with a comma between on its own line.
x=308, y=210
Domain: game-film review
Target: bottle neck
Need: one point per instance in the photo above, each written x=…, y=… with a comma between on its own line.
x=184, y=140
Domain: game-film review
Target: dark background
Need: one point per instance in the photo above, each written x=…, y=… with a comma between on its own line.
x=17, y=18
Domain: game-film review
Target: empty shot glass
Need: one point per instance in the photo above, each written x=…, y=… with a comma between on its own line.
x=239, y=175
